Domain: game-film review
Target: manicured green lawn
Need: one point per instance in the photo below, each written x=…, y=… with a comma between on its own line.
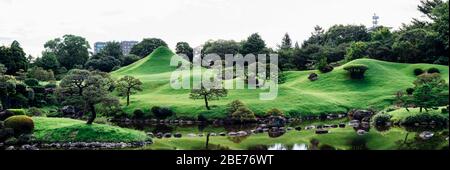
x=332, y=92
x=70, y=130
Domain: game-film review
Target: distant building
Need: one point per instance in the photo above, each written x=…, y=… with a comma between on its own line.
x=98, y=46
x=124, y=45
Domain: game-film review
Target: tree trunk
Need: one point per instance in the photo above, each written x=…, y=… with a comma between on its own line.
x=206, y=103
x=207, y=140
x=128, y=98
x=93, y=114
x=420, y=110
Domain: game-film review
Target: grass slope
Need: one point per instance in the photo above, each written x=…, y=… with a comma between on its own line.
x=70, y=130
x=400, y=114
x=333, y=92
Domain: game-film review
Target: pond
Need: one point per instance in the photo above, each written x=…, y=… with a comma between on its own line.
x=340, y=134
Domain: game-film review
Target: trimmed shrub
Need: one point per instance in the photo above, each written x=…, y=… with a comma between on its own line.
x=21, y=124
x=31, y=82
x=234, y=106
x=202, y=118
x=326, y=69
x=33, y=111
x=409, y=91
x=356, y=70
x=381, y=119
x=162, y=112
x=21, y=88
x=138, y=114
x=17, y=111
x=243, y=114
x=439, y=120
x=418, y=71
x=274, y=112
x=433, y=70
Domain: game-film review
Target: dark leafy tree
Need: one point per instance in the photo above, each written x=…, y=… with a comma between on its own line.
x=86, y=89
x=184, y=48
x=146, y=46
x=71, y=50
x=286, y=42
x=48, y=61
x=129, y=59
x=429, y=91
x=253, y=45
x=13, y=58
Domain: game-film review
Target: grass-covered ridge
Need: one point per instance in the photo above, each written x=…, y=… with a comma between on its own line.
x=70, y=130
x=332, y=92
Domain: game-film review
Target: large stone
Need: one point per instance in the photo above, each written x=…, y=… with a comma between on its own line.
x=276, y=121
x=321, y=131
x=313, y=77
x=177, y=135
x=342, y=125
x=426, y=135
x=361, y=132
x=360, y=114
x=167, y=135
x=242, y=133
x=232, y=134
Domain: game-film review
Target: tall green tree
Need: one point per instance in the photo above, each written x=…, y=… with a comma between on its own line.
x=13, y=58
x=253, y=45
x=113, y=49
x=186, y=49
x=127, y=86
x=286, y=42
x=48, y=61
x=71, y=50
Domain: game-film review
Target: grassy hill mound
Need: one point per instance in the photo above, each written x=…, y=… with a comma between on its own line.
x=332, y=92
x=70, y=130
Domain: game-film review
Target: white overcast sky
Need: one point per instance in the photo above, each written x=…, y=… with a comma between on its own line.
x=33, y=22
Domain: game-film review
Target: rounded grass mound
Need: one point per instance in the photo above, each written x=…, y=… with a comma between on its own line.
x=70, y=130
x=21, y=124
x=333, y=92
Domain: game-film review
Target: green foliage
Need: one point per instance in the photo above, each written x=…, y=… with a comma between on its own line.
x=33, y=111
x=103, y=63
x=162, y=112
x=274, y=112
x=138, y=114
x=323, y=66
x=381, y=119
x=243, y=114
x=40, y=74
x=48, y=61
x=221, y=47
x=127, y=86
x=356, y=70
x=439, y=120
x=147, y=46
x=85, y=89
x=428, y=91
x=129, y=59
x=356, y=50
x=286, y=42
x=13, y=58
x=214, y=93
x=433, y=70
x=184, y=48
x=409, y=91
x=21, y=124
x=234, y=106
x=418, y=71
x=112, y=49
x=31, y=82
x=71, y=50
x=253, y=45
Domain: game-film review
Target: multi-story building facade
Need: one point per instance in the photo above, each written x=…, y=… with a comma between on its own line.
x=124, y=45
